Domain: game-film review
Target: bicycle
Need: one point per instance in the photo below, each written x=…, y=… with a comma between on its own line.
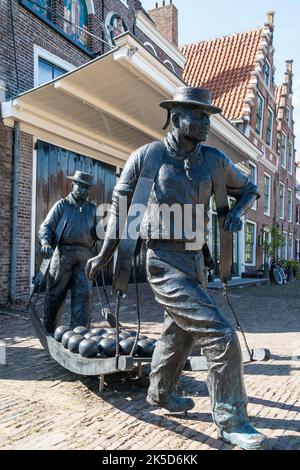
x=277, y=273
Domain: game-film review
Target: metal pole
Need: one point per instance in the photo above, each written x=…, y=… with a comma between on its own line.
x=15, y=207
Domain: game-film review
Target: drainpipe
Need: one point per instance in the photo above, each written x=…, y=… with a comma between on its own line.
x=15, y=208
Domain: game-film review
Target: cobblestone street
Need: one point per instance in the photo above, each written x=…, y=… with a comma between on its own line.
x=43, y=406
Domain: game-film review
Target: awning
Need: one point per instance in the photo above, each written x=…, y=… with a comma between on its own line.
x=109, y=107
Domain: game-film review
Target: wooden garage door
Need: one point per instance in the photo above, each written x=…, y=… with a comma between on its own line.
x=54, y=164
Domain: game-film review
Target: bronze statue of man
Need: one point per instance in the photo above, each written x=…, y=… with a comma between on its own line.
x=70, y=227
x=190, y=173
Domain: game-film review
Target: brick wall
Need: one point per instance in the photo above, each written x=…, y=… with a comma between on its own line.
x=284, y=176
x=24, y=216
x=129, y=18
x=18, y=76
x=6, y=145
x=166, y=19
x=24, y=212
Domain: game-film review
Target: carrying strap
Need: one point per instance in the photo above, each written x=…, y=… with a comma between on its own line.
x=239, y=326
x=127, y=245
x=226, y=237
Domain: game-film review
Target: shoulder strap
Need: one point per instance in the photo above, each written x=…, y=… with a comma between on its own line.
x=61, y=225
x=226, y=238
x=127, y=245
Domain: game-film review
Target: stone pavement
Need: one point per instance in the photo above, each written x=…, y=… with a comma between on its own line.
x=43, y=406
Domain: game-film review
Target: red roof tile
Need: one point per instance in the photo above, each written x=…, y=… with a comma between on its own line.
x=224, y=65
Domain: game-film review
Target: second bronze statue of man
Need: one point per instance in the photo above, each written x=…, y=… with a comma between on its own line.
x=189, y=173
x=70, y=228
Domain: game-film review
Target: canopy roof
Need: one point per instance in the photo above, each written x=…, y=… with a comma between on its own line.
x=110, y=106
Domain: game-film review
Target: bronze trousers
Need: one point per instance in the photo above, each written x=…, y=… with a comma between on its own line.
x=192, y=318
x=67, y=271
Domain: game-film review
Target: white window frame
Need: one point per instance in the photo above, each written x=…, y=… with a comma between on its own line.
x=290, y=160
x=40, y=53
x=262, y=114
x=281, y=153
x=266, y=259
x=149, y=46
x=272, y=128
x=291, y=254
x=290, y=207
x=297, y=246
x=254, y=207
x=254, y=244
x=268, y=213
x=297, y=215
x=284, y=247
x=282, y=216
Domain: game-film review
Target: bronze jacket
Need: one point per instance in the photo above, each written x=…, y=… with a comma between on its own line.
x=180, y=181
x=79, y=227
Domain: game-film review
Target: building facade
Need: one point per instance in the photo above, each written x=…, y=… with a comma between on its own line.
x=80, y=84
x=241, y=76
x=41, y=142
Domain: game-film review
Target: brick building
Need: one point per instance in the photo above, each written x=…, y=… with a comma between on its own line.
x=80, y=83
x=239, y=69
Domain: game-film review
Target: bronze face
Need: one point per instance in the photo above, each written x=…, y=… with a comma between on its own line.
x=80, y=191
x=191, y=122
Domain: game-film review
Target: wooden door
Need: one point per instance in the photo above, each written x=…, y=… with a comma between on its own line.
x=54, y=164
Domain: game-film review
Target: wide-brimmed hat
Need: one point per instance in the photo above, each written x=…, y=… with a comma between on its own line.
x=82, y=177
x=200, y=97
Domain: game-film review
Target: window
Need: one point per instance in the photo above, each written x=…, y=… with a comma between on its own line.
x=291, y=248
x=290, y=205
x=298, y=215
x=288, y=116
x=253, y=178
x=76, y=20
x=281, y=200
x=270, y=121
x=42, y=7
x=267, y=239
x=283, y=150
x=284, y=246
x=291, y=158
x=48, y=71
x=250, y=245
x=259, y=114
x=267, y=73
x=297, y=247
x=267, y=194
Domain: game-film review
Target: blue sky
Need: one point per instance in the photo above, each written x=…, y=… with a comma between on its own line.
x=201, y=20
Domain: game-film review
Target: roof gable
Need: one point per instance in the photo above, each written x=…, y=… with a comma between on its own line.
x=224, y=65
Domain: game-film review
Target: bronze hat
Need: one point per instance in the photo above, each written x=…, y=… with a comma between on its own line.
x=200, y=97
x=82, y=177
